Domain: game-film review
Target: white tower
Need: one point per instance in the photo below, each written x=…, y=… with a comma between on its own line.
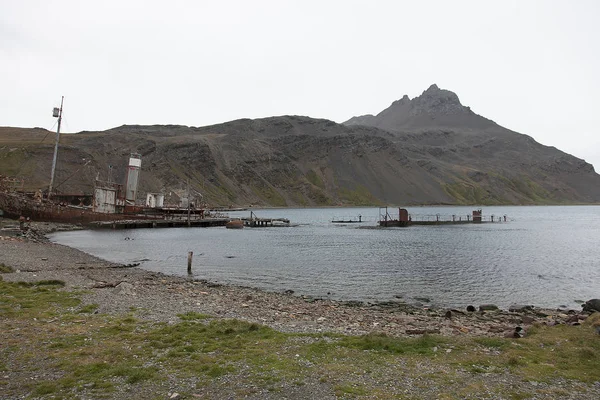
x=133, y=173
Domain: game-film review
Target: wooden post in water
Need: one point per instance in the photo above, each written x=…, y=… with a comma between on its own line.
x=190, y=256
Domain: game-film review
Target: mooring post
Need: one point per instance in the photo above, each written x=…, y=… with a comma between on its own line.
x=190, y=256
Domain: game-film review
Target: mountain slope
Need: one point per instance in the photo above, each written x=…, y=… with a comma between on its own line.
x=428, y=150
x=481, y=154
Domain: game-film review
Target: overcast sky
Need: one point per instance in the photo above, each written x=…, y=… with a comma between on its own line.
x=531, y=66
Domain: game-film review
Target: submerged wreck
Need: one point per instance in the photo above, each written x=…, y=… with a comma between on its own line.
x=404, y=219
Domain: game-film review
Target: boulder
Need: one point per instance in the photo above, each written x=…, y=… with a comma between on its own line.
x=517, y=333
x=591, y=305
x=125, y=288
x=520, y=308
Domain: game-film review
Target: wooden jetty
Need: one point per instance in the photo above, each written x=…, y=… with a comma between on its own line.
x=206, y=222
x=347, y=220
x=159, y=223
x=255, y=222
x=404, y=219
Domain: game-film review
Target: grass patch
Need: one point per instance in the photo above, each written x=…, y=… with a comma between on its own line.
x=380, y=342
x=472, y=193
x=88, y=309
x=494, y=343
x=44, y=388
x=350, y=389
x=6, y=269
x=48, y=282
x=193, y=316
x=269, y=194
x=315, y=179
x=359, y=196
x=33, y=299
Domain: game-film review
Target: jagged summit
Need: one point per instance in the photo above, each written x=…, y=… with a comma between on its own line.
x=435, y=92
x=434, y=108
x=438, y=100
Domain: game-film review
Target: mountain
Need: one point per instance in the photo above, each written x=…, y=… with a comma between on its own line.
x=435, y=108
x=428, y=150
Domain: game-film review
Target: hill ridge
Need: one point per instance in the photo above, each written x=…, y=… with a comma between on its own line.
x=426, y=150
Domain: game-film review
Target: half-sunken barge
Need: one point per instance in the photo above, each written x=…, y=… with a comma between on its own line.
x=404, y=219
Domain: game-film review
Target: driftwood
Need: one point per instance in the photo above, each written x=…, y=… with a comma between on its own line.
x=102, y=285
x=133, y=265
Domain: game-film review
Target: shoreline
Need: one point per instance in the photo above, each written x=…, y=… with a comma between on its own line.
x=119, y=289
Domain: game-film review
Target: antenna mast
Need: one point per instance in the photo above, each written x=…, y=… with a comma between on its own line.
x=55, y=113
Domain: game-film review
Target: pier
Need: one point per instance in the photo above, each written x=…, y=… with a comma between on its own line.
x=404, y=219
x=347, y=220
x=160, y=223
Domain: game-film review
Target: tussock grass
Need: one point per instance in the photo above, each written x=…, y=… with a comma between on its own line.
x=50, y=282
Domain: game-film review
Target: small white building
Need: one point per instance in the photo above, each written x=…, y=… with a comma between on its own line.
x=155, y=200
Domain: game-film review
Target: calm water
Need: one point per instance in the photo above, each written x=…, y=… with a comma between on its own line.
x=546, y=256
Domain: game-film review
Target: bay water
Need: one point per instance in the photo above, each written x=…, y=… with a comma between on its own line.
x=547, y=256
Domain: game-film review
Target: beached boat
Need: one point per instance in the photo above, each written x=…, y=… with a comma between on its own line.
x=235, y=224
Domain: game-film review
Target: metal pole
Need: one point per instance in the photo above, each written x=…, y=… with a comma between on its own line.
x=56, y=148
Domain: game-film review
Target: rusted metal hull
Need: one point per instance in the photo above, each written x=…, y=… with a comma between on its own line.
x=235, y=224
x=393, y=223
x=14, y=205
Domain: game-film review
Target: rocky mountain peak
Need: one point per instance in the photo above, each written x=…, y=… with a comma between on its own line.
x=438, y=100
x=434, y=108
x=432, y=88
